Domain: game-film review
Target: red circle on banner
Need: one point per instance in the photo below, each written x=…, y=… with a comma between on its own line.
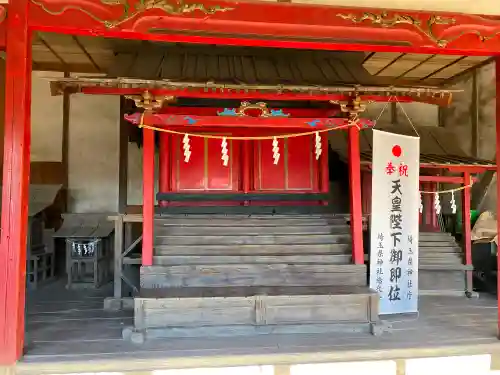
x=396, y=151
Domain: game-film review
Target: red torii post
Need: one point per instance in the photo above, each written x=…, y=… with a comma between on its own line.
x=15, y=190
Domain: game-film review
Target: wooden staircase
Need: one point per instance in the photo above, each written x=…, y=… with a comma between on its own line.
x=238, y=275
x=441, y=268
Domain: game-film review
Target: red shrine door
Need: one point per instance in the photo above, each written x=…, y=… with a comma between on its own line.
x=204, y=171
x=296, y=170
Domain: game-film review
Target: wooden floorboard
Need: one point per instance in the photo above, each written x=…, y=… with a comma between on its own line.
x=70, y=331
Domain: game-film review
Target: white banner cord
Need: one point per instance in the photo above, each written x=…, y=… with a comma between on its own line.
x=449, y=190
x=408, y=117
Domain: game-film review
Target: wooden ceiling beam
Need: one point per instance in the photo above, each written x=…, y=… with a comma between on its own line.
x=442, y=68
x=390, y=63
x=463, y=75
x=87, y=53
x=57, y=67
x=415, y=67
x=49, y=47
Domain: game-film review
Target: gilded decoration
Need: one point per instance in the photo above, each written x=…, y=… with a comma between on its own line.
x=148, y=101
x=245, y=106
x=384, y=20
x=133, y=9
x=425, y=27
x=353, y=108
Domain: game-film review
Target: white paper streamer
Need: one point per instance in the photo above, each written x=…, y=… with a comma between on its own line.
x=187, y=148
x=421, y=206
x=317, y=145
x=453, y=203
x=276, y=151
x=437, y=204
x=225, y=156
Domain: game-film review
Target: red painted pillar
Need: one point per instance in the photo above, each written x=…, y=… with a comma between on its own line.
x=466, y=229
x=15, y=189
x=148, y=195
x=497, y=71
x=324, y=172
x=358, y=256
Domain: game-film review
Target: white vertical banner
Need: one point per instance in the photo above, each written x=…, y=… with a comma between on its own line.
x=394, y=221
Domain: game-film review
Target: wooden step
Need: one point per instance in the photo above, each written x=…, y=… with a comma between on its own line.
x=437, y=244
x=439, y=255
x=250, y=311
x=222, y=275
x=440, y=249
x=435, y=234
x=249, y=230
x=246, y=221
x=170, y=260
x=202, y=249
x=441, y=281
x=255, y=239
x=253, y=216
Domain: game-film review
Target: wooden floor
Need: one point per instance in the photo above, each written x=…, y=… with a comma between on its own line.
x=69, y=331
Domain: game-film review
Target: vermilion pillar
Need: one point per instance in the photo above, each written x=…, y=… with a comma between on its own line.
x=466, y=229
x=497, y=71
x=355, y=195
x=148, y=195
x=15, y=189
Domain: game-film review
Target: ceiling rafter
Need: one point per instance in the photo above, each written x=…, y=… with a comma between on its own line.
x=390, y=63
x=57, y=56
x=87, y=53
x=442, y=68
x=415, y=67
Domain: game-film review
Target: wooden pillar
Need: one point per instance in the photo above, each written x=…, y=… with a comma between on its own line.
x=65, y=144
x=148, y=195
x=466, y=230
x=497, y=74
x=324, y=169
x=123, y=159
x=358, y=256
x=15, y=189
x=474, y=113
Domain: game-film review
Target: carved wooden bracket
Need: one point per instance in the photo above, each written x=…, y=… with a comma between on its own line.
x=148, y=101
x=354, y=107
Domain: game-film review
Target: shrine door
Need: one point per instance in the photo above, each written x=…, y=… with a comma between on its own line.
x=296, y=170
x=204, y=171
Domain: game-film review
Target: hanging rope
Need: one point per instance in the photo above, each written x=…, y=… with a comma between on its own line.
x=407, y=117
x=258, y=138
x=450, y=190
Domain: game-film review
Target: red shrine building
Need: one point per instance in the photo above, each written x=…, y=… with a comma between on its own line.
x=250, y=246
